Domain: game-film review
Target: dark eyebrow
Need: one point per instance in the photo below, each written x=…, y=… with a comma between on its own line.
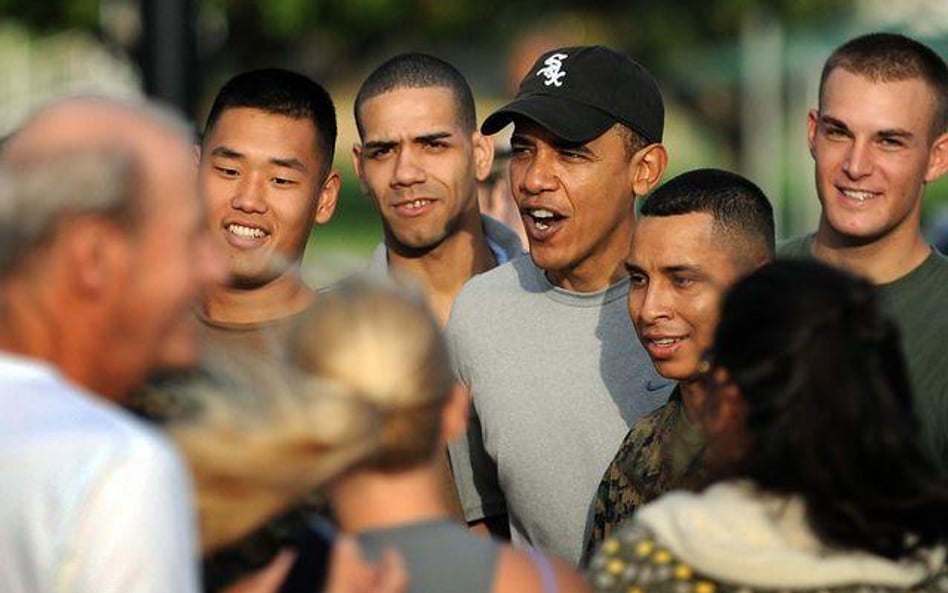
x=377, y=144
x=289, y=163
x=428, y=138
x=520, y=139
x=827, y=120
x=573, y=147
x=683, y=269
x=632, y=268
x=890, y=133
x=227, y=153
x=895, y=133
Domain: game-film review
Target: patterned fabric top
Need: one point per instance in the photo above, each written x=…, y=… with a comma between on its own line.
x=632, y=561
x=645, y=468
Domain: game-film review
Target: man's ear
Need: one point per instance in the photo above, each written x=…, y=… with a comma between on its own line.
x=328, y=197
x=454, y=414
x=97, y=251
x=649, y=165
x=483, y=149
x=197, y=153
x=812, y=127
x=937, y=159
x=357, y=166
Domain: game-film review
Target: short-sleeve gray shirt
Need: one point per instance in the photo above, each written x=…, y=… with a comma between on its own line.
x=556, y=379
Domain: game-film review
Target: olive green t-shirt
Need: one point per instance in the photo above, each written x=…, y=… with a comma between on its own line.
x=918, y=302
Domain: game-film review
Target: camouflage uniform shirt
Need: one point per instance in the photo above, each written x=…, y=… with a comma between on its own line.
x=658, y=454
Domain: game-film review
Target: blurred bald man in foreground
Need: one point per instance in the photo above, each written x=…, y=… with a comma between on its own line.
x=102, y=255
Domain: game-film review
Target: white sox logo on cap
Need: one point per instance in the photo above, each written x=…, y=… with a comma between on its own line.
x=553, y=71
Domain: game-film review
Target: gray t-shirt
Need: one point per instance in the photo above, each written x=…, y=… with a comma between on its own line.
x=440, y=556
x=556, y=379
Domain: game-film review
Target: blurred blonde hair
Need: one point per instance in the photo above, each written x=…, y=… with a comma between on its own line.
x=383, y=347
x=260, y=438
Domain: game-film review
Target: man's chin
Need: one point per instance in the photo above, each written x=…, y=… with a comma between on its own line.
x=676, y=370
x=254, y=277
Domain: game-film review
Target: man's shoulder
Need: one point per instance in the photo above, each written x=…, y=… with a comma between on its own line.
x=502, y=282
x=67, y=425
x=501, y=291
x=921, y=293
x=503, y=240
x=798, y=246
x=939, y=263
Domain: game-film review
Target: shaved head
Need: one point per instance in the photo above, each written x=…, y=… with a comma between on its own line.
x=102, y=249
x=80, y=156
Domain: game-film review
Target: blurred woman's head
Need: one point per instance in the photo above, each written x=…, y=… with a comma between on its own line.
x=382, y=347
x=812, y=377
x=259, y=438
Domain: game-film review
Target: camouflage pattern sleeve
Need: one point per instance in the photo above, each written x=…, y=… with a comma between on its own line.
x=636, y=475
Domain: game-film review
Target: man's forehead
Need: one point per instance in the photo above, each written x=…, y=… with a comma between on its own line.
x=239, y=119
x=888, y=102
x=419, y=108
x=687, y=237
x=248, y=132
x=425, y=94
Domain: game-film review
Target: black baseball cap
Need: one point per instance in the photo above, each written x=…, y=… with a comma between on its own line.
x=577, y=93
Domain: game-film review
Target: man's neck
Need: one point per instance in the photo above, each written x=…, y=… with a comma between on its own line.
x=601, y=270
x=881, y=261
x=34, y=326
x=281, y=298
x=370, y=499
x=693, y=398
x=442, y=271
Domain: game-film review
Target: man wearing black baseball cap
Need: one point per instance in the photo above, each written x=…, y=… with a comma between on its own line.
x=545, y=343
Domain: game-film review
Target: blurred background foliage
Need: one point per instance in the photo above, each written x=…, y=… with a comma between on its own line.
x=738, y=75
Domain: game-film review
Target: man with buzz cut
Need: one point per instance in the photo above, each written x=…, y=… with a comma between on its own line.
x=544, y=343
x=420, y=158
x=265, y=171
x=878, y=137
x=265, y=174
x=695, y=236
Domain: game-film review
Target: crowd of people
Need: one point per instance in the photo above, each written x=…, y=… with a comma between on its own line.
x=651, y=395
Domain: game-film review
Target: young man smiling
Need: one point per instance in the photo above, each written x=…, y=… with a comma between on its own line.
x=544, y=343
x=265, y=174
x=265, y=171
x=420, y=159
x=695, y=236
x=878, y=139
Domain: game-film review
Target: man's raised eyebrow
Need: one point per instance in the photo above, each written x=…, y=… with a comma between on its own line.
x=632, y=268
x=226, y=152
x=889, y=133
x=580, y=147
x=826, y=119
x=894, y=133
x=376, y=144
x=425, y=138
x=289, y=163
x=679, y=268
